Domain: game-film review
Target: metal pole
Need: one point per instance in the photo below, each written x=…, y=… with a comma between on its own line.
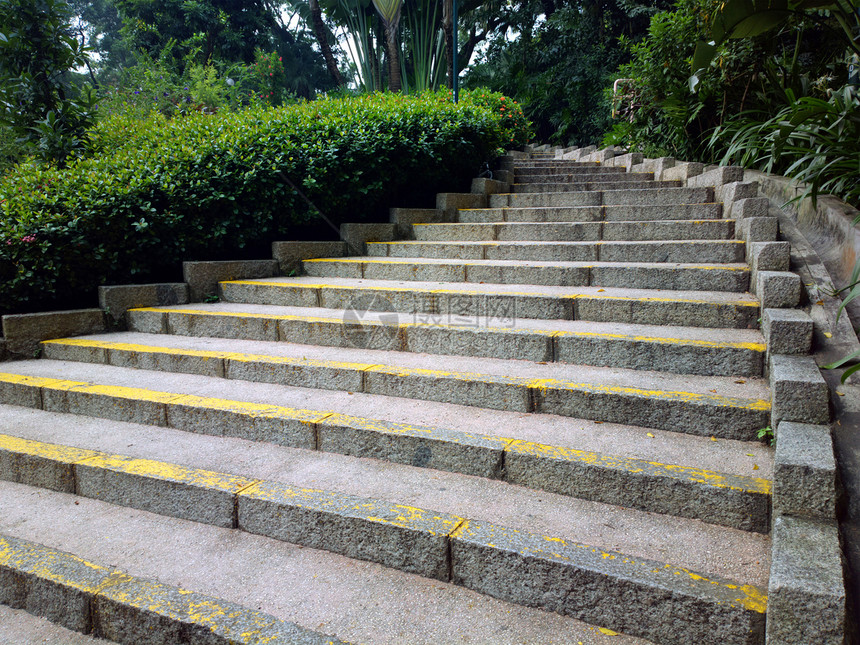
x=455, y=84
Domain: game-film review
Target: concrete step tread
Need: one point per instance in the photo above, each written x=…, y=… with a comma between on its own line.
x=356, y=600
x=22, y=628
x=627, y=441
x=487, y=332
x=591, y=184
x=132, y=349
x=422, y=501
x=392, y=286
x=635, y=213
x=124, y=608
x=373, y=259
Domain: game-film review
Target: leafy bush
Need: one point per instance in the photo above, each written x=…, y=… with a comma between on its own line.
x=812, y=140
x=38, y=102
x=157, y=191
x=660, y=115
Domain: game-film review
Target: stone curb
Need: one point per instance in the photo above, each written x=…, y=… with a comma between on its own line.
x=719, y=498
x=561, y=576
x=22, y=333
x=107, y=603
x=203, y=277
x=289, y=255
x=116, y=300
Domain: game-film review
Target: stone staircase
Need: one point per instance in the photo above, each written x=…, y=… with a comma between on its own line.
x=535, y=423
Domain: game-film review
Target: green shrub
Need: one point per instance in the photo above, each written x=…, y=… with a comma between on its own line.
x=158, y=191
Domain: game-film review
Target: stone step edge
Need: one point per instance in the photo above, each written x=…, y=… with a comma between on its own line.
x=523, y=394
x=726, y=499
x=481, y=305
x=682, y=222
x=482, y=335
x=107, y=603
x=435, y=545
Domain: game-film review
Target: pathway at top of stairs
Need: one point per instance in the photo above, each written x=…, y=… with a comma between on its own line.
x=536, y=424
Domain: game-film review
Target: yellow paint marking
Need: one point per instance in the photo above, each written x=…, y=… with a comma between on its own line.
x=37, y=381
x=631, y=465
x=52, y=452
x=152, y=469
x=746, y=404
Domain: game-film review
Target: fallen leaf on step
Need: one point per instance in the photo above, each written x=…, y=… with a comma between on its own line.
x=714, y=391
x=599, y=290
x=827, y=334
x=819, y=302
x=541, y=362
x=608, y=632
x=650, y=435
x=713, y=438
x=749, y=454
x=755, y=466
x=840, y=393
x=598, y=422
x=740, y=381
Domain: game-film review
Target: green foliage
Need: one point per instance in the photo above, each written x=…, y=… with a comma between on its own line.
x=766, y=435
x=556, y=69
x=516, y=128
x=38, y=102
x=813, y=140
x=659, y=115
x=159, y=190
x=154, y=86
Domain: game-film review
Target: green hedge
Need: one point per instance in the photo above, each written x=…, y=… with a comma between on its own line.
x=156, y=191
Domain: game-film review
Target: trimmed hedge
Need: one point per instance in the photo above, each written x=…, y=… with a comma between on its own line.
x=158, y=191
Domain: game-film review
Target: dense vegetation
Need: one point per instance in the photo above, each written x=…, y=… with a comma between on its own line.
x=155, y=191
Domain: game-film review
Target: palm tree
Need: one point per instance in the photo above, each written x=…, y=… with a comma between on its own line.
x=390, y=12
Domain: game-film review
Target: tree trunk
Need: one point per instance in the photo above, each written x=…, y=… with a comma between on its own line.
x=393, y=57
x=322, y=38
x=448, y=28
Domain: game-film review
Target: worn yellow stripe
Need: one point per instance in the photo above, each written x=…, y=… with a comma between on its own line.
x=630, y=465
x=37, y=381
x=673, y=395
x=52, y=452
x=164, y=471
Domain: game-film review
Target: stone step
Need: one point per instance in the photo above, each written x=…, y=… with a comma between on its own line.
x=347, y=510
x=641, y=275
x=727, y=407
x=330, y=421
x=708, y=229
x=621, y=197
x=676, y=251
x=561, y=163
x=359, y=601
x=502, y=302
x=604, y=345
x=592, y=213
x=594, y=185
x=600, y=174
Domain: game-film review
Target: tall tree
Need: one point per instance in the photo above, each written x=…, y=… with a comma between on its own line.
x=389, y=10
x=321, y=34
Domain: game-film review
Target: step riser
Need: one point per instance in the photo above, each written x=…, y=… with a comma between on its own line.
x=736, y=502
x=665, y=251
x=561, y=178
x=655, y=197
x=567, y=187
x=403, y=335
x=481, y=308
x=577, y=232
x=559, y=575
x=656, y=277
x=592, y=214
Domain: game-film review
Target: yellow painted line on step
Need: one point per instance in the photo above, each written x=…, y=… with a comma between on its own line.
x=209, y=354
x=164, y=471
x=631, y=465
x=256, y=410
x=243, y=314
x=36, y=381
x=49, y=451
x=755, y=347
x=403, y=289
x=544, y=385
x=606, y=296
x=555, y=549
